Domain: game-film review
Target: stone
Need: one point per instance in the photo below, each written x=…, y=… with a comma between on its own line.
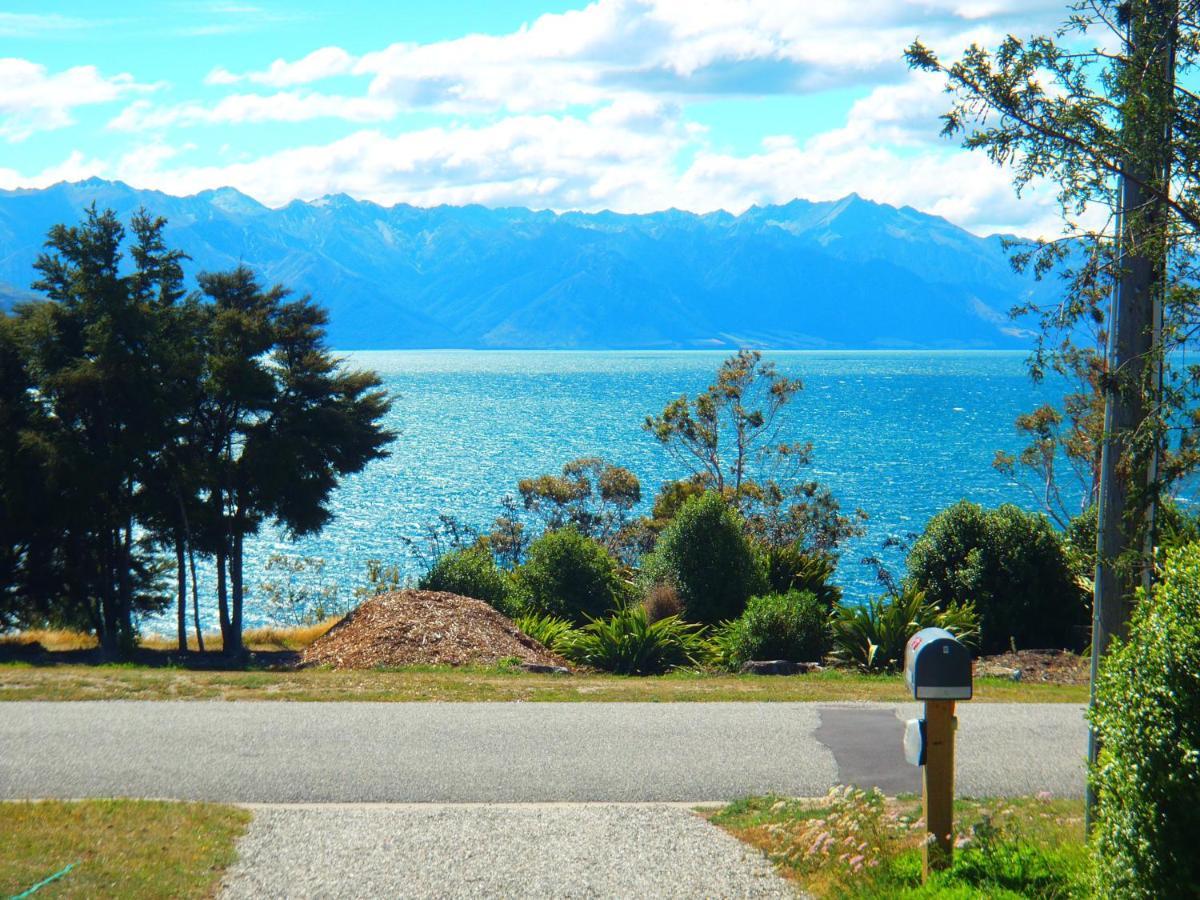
x=538, y=669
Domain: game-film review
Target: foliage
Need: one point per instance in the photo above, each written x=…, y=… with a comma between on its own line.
x=549, y=631
x=1147, y=715
x=792, y=626
x=591, y=495
x=1105, y=112
x=706, y=555
x=1013, y=566
x=729, y=436
x=790, y=568
x=628, y=643
x=872, y=636
x=378, y=579
x=569, y=575
x=288, y=596
x=471, y=572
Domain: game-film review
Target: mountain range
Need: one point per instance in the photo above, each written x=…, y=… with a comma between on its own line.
x=848, y=274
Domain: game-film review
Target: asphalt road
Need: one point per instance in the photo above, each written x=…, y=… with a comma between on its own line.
x=514, y=752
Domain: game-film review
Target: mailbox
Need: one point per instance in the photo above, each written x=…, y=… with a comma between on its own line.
x=937, y=666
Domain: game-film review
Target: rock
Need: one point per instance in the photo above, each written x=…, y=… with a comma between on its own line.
x=778, y=667
x=538, y=669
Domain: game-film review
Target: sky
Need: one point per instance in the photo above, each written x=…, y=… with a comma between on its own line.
x=629, y=105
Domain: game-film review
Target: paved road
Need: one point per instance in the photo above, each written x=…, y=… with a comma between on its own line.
x=514, y=752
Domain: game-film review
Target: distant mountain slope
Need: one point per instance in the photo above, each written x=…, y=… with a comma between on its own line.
x=844, y=274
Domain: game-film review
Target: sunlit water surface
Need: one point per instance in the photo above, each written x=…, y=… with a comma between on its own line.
x=900, y=435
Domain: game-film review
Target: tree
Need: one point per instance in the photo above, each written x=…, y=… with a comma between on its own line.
x=1114, y=128
x=283, y=421
x=730, y=436
x=91, y=352
x=592, y=495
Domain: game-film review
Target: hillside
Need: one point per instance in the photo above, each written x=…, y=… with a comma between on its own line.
x=842, y=274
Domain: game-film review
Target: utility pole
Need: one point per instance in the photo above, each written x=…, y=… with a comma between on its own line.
x=1129, y=467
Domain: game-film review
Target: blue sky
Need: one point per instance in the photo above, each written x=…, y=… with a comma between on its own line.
x=631, y=105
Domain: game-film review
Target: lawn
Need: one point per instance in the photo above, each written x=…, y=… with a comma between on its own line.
x=854, y=844
x=66, y=681
x=117, y=848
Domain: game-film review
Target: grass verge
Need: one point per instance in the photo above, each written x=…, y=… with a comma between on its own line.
x=118, y=848
x=27, y=681
x=854, y=844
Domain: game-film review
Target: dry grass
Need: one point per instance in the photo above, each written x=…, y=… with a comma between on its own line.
x=58, y=640
x=857, y=845
x=261, y=639
x=23, y=681
x=118, y=848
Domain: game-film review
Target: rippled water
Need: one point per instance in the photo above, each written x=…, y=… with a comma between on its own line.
x=899, y=434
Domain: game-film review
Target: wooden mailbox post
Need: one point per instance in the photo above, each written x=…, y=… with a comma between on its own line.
x=937, y=669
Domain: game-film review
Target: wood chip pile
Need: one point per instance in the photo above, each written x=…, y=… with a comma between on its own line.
x=407, y=628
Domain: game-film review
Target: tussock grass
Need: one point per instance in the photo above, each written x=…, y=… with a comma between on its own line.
x=119, y=848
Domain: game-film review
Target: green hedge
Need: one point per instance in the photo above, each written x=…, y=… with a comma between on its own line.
x=793, y=626
x=473, y=573
x=1147, y=714
x=571, y=576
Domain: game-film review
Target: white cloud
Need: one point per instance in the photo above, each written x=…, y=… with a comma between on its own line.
x=32, y=99
x=38, y=24
x=286, y=106
x=323, y=63
x=76, y=167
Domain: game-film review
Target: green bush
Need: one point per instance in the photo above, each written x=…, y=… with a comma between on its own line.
x=1147, y=714
x=549, y=631
x=790, y=568
x=571, y=576
x=473, y=573
x=1013, y=566
x=872, y=636
x=704, y=552
x=628, y=643
x=792, y=626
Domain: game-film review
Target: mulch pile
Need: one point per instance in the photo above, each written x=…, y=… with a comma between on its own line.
x=1045, y=666
x=407, y=628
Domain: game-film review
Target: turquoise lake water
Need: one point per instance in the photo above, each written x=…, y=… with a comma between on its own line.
x=899, y=434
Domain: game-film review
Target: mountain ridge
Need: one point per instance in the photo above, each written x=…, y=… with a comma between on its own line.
x=844, y=274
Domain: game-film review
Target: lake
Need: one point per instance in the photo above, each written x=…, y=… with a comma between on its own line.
x=898, y=434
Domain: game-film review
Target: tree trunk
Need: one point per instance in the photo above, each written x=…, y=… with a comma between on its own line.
x=109, y=637
x=222, y=598
x=195, y=599
x=1128, y=489
x=235, y=580
x=181, y=591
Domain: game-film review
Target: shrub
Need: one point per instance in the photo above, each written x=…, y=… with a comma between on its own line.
x=661, y=601
x=549, y=631
x=568, y=575
x=471, y=572
x=872, y=636
x=705, y=554
x=1147, y=715
x=628, y=643
x=792, y=626
x=1012, y=565
x=790, y=568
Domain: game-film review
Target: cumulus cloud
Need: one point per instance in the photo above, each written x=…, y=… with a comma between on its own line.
x=32, y=99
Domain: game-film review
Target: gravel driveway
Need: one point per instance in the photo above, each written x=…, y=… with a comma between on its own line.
x=495, y=850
